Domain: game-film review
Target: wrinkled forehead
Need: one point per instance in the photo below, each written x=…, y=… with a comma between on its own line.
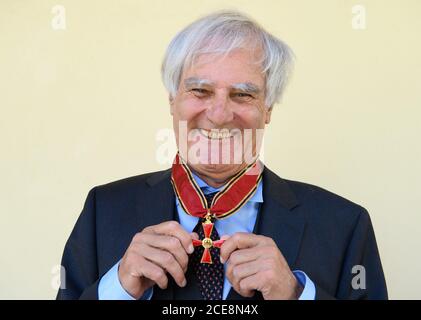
x=240, y=67
x=214, y=47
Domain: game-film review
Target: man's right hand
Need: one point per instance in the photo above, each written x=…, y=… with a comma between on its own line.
x=154, y=252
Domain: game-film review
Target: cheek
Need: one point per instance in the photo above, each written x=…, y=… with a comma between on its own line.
x=187, y=109
x=252, y=118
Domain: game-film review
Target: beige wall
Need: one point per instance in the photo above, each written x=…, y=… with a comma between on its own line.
x=82, y=106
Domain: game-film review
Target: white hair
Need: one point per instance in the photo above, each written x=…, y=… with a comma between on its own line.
x=222, y=32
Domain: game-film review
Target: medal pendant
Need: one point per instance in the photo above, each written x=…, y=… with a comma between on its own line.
x=207, y=242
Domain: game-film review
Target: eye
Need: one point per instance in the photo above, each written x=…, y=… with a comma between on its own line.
x=199, y=91
x=243, y=95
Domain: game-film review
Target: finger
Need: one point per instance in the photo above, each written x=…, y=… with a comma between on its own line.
x=235, y=273
x=247, y=286
x=194, y=235
x=170, y=244
x=244, y=255
x=165, y=260
x=247, y=269
x=151, y=271
x=239, y=240
x=235, y=282
x=173, y=228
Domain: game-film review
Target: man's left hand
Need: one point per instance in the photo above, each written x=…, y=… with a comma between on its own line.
x=254, y=262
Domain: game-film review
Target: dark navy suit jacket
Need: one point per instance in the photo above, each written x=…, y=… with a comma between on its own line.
x=317, y=231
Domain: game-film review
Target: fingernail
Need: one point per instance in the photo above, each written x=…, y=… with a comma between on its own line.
x=191, y=248
x=183, y=284
x=222, y=260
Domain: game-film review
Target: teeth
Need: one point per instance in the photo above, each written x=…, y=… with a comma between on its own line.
x=216, y=134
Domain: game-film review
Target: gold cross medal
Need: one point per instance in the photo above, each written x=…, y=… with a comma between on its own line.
x=207, y=242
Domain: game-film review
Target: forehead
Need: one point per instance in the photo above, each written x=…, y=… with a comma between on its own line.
x=238, y=66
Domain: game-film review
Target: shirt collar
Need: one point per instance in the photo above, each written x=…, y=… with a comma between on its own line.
x=257, y=197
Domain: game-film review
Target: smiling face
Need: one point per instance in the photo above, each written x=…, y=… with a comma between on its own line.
x=220, y=92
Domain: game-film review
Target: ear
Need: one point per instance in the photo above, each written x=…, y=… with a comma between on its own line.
x=171, y=100
x=268, y=115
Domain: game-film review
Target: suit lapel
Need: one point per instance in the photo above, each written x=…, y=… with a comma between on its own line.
x=156, y=205
x=277, y=221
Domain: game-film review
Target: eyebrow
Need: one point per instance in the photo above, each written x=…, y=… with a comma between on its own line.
x=193, y=81
x=247, y=87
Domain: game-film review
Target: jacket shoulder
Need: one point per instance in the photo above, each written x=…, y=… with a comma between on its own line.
x=130, y=185
x=310, y=192
x=326, y=205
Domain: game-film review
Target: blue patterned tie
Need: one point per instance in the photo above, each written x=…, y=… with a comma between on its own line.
x=210, y=276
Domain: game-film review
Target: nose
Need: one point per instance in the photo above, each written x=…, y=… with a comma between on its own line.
x=220, y=112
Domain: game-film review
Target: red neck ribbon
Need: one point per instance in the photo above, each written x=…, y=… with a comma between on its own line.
x=239, y=189
x=229, y=200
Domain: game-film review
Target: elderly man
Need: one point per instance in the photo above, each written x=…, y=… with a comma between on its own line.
x=219, y=224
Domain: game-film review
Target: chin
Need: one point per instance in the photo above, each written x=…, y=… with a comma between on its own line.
x=217, y=171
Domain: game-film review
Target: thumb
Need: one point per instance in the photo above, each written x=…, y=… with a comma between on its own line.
x=194, y=235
